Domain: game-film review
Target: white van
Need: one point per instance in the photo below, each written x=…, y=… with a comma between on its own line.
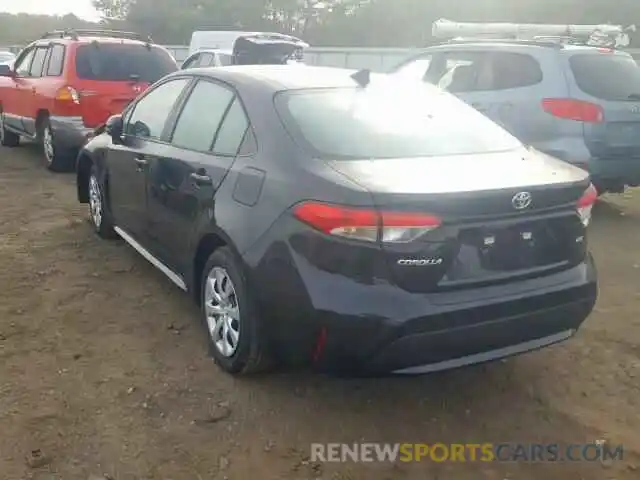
x=225, y=40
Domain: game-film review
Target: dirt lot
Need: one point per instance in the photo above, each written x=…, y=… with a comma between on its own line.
x=103, y=369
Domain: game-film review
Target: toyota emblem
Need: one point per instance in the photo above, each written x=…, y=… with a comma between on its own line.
x=521, y=200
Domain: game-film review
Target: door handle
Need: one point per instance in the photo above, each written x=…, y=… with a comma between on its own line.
x=141, y=163
x=200, y=179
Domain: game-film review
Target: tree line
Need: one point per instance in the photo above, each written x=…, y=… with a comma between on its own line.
x=366, y=23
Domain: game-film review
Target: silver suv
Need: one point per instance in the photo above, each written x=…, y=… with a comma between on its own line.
x=578, y=103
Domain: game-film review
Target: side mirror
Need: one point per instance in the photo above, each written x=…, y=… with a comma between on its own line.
x=115, y=127
x=6, y=71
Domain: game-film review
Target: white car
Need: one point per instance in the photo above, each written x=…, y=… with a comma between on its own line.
x=7, y=58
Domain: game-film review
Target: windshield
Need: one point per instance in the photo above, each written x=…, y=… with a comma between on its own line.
x=123, y=62
x=398, y=120
x=607, y=76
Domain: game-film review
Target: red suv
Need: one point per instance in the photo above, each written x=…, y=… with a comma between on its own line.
x=67, y=83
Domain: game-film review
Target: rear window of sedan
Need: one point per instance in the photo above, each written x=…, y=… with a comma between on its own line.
x=390, y=120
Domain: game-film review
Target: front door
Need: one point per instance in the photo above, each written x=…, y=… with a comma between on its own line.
x=16, y=102
x=128, y=161
x=184, y=181
x=35, y=90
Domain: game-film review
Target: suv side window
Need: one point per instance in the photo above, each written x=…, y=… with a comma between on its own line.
x=200, y=118
x=56, y=61
x=460, y=71
x=150, y=114
x=23, y=65
x=513, y=70
x=38, y=61
x=232, y=131
x=415, y=69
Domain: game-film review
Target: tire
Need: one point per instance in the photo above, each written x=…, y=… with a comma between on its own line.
x=57, y=159
x=249, y=354
x=7, y=138
x=99, y=217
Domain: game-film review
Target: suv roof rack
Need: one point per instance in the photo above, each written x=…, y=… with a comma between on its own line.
x=76, y=33
x=538, y=42
x=603, y=35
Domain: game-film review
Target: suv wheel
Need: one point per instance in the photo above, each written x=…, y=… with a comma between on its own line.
x=7, y=138
x=57, y=159
x=98, y=215
x=236, y=336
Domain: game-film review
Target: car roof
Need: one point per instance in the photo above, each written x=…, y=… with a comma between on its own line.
x=90, y=39
x=212, y=50
x=281, y=77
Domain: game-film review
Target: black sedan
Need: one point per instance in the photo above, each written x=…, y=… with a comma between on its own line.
x=344, y=219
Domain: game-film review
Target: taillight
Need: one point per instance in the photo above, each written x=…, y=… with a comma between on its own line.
x=572, y=109
x=365, y=224
x=68, y=94
x=585, y=204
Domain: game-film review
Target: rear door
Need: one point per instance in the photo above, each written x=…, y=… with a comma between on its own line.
x=184, y=179
x=610, y=80
x=110, y=75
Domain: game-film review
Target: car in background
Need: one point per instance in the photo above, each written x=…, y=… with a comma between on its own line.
x=578, y=103
x=67, y=83
x=344, y=219
x=251, y=49
x=208, y=58
x=7, y=58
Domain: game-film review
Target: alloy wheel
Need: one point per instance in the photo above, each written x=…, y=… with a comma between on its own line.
x=47, y=142
x=95, y=201
x=222, y=312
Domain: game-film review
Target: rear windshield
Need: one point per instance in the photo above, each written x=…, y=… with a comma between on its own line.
x=607, y=76
x=123, y=62
x=413, y=120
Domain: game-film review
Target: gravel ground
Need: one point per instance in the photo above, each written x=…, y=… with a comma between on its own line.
x=103, y=370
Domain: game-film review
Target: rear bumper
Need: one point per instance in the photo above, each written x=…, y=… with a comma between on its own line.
x=69, y=132
x=341, y=325
x=616, y=171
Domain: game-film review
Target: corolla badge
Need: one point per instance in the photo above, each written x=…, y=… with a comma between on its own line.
x=521, y=200
x=419, y=262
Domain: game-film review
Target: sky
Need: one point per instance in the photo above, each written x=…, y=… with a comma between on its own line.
x=81, y=8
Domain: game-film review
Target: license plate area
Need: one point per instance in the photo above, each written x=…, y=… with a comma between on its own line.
x=521, y=246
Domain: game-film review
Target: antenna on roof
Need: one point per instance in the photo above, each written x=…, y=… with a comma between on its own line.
x=362, y=77
x=603, y=35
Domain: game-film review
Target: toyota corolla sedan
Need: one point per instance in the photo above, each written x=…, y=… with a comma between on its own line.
x=342, y=219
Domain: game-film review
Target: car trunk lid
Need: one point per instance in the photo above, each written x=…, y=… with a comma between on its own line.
x=501, y=216
x=267, y=49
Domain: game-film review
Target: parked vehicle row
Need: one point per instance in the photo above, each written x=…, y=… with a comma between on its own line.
x=344, y=219
x=328, y=217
